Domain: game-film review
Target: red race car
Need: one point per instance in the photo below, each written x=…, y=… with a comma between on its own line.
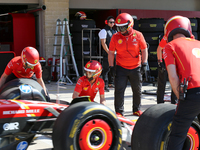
x=80, y=125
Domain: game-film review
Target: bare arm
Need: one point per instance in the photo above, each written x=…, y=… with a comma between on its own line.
x=144, y=55
x=102, y=99
x=173, y=78
x=3, y=79
x=75, y=95
x=111, y=55
x=104, y=45
x=41, y=82
x=159, y=53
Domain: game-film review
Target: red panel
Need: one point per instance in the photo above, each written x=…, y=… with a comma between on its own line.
x=166, y=14
x=23, y=31
x=102, y=15
x=5, y=52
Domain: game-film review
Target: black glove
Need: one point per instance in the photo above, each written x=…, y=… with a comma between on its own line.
x=144, y=68
x=112, y=71
x=161, y=66
x=48, y=98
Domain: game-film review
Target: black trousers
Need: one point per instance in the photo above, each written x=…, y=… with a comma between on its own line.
x=108, y=79
x=122, y=77
x=162, y=79
x=185, y=113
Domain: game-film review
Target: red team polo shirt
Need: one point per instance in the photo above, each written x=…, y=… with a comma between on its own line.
x=163, y=42
x=84, y=87
x=16, y=67
x=128, y=48
x=185, y=53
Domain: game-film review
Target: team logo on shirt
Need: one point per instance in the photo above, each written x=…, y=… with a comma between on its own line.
x=120, y=41
x=85, y=88
x=98, y=83
x=196, y=52
x=134, y=34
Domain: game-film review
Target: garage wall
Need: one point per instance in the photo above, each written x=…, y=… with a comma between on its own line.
x=58, y=9
x=189, y=5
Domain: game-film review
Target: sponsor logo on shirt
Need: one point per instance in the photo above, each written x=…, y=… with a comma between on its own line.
x=10, y=64
x=96, y=90
x=120, y=41
x=79, y=82
x=164, y=54
x=196, y=52
x=85, y=88
x=134, y=41
x=109, y=32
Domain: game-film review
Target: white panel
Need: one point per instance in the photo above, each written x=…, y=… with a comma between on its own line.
x=19, y=1
x=186, y=5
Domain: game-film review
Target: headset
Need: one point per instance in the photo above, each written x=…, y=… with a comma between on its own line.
x=106, y=21
x=108, y=18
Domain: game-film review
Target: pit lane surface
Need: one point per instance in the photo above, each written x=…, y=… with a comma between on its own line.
x=43, y=142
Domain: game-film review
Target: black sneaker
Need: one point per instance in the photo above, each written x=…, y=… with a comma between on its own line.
x=106, y=89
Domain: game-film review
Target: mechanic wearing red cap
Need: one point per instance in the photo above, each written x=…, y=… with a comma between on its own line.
x=128, y=43
x=162, y=74
x=105, y=35
x=91, y=83
x=182, y=59
x=24, y=66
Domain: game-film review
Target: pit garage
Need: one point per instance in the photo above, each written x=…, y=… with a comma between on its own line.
x=149, y=18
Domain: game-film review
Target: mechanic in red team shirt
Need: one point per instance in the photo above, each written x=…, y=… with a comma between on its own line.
x=182, y=59
x=162, y=74
x=91, y=83
x=130, y=46
x=24, y=66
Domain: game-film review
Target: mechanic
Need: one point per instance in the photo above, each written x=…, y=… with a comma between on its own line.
x=24, y=66
x=105, y=36
x=182, y=59
x=91, y=83
x=80, y=15
x=162, y=74
x=128, y=43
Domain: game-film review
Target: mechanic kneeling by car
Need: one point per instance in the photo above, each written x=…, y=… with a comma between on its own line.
x=24, y=66
x=91, y=83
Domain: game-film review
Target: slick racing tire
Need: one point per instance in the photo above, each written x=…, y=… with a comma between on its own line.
x=152, y=130
x=87, y=126
x=11, y=90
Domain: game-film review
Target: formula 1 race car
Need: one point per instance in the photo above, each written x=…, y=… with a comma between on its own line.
x=80, y=125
